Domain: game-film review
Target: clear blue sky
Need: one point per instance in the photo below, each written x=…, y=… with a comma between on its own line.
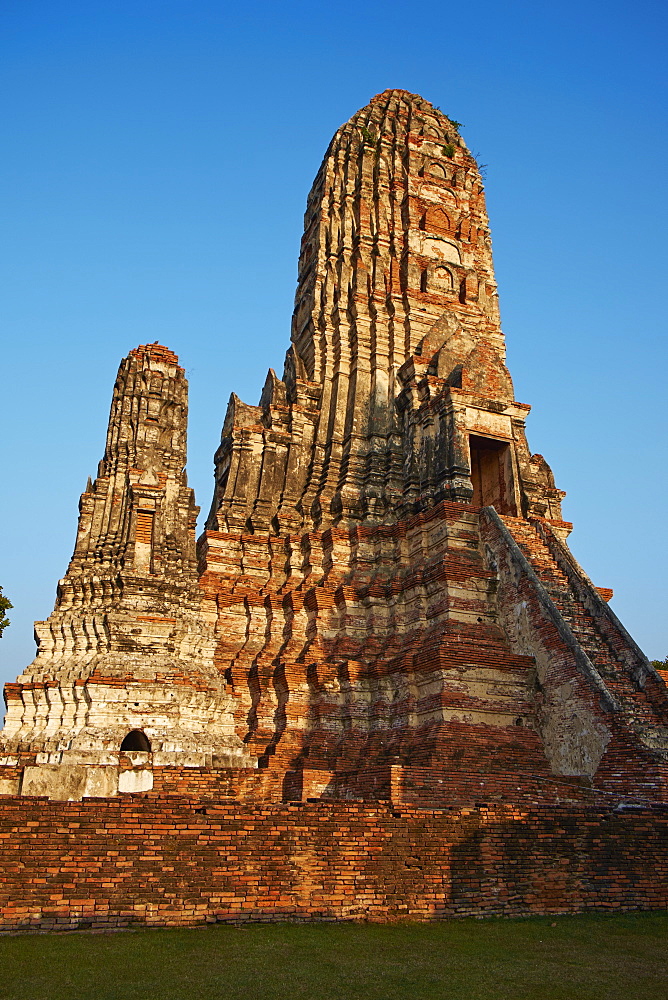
x=153, y=185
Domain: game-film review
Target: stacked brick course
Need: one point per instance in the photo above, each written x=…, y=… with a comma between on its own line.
x=382, y=618
x=119, y=862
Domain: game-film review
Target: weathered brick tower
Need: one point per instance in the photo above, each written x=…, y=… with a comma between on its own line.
x=385, y=556
x=127, y=656
x=385, y=606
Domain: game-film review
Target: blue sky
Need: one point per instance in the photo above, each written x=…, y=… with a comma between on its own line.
x=153, y=186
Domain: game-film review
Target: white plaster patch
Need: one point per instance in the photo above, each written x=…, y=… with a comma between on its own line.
x=497, y=424
x=135, y=781
x=441, y=249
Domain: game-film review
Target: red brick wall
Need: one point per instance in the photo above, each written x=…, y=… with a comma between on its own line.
x=163, y=860
x=217, y=782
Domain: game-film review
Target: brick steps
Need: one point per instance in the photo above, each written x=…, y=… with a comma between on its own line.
x=598, y=647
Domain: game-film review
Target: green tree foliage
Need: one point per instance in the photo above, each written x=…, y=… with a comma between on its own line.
x=660, y=664
x=5, y=604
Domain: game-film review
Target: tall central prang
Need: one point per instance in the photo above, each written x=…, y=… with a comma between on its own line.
x=396, y=315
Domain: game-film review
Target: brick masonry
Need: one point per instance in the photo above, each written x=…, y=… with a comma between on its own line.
x=379, y=685
x=175, y=861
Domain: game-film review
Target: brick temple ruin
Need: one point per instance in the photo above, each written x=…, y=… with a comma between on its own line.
x=379, y=684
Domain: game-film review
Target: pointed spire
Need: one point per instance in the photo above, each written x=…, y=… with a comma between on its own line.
x=395, y=264
x=126, y=642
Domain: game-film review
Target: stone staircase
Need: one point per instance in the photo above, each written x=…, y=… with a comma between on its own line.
x=641, y=699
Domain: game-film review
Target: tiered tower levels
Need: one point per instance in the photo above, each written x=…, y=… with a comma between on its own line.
x=383, y=604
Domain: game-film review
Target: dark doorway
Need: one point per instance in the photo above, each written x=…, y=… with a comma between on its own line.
x=136, y=740
x=491, y=474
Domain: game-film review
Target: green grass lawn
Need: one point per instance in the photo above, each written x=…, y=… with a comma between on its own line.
x=579, y=958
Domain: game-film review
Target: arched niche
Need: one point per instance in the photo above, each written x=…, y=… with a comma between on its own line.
x=443, y=278
x=137, y=741
x=437, y=171
x=437, y=220
x=430, y=132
